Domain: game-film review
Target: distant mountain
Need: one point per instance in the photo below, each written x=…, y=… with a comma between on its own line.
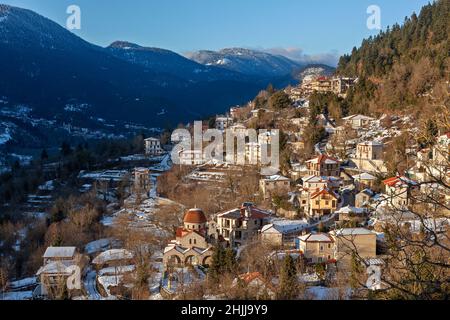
x=250, y=62
x=170, y=62
x=46, y=67
x=71, y=85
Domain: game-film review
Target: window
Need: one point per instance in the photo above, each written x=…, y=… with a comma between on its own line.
x=327, y=203
x=329, y=245
x=321, y=248
x=195, y=241
x=317, y=202
x=320, y=259
x=190, y=241
x=333, y=203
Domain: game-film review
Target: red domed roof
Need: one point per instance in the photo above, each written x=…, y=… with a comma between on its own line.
x=195, y=216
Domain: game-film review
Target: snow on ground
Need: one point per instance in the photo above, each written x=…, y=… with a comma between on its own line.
x=5, y=137
x=101, y=245
x=20, y=295
x=47, y=186
x=309, y=278
x=143, y=217
x=23, y=159
x=105, y=175
x=110, y=271
x=182, y=277
x=109, y=281
x=156, y=296
x=113, y=255
x=26, y=282
x=324, y=293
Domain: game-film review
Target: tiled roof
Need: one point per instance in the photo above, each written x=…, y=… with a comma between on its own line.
x=323, y=159
x=399, y=182
x=323, y=191
x=59, y=252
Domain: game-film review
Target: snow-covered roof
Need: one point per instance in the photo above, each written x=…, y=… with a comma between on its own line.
x=371, y=143
x=358, y=117
x=59, y=252
x=350, y=209
x=56, y=267
x=275, y=177
x=112, y=255
x=316, y=237
x=100, y=245
x=364, y=176
x=323, y=159
x=236, y=213
x=351, y=232
x=151, y=139
x=285, y=226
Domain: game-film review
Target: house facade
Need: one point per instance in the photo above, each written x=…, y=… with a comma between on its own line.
x=358, y=121
x=349, y=241
x=223, y=122
x=282, y=233
x=241, y=225
x=273, y=185
x=322, y=202
x=399, y=191
x=59, y=264
x=316, y=247
x=153, y=147
x=323, y=166
x=369, y=156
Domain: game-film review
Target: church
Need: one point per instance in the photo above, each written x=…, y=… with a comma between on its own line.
x=192, y=244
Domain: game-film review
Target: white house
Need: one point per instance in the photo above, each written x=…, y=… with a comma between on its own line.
x=358, y=121
x=283, y=232
x=153, y=147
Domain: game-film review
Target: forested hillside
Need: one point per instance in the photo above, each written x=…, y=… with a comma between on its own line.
x=405, y=68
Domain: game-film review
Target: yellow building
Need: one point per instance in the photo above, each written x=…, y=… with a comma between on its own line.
x=274, y=185
x=316, y=247
x=351, y=241
x=322, y=202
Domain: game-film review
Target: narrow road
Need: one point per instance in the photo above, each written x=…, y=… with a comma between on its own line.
x=91, y=287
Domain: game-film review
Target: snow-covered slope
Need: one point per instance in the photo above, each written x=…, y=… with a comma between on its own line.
x=251, y=62
x=170, y=62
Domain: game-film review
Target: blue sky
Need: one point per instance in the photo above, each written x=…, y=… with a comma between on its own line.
x=320, y=29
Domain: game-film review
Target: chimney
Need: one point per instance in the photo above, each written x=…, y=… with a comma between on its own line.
x=246, y=209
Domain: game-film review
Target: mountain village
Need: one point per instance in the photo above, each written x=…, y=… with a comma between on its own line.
x=131, y=172
x=327, y=213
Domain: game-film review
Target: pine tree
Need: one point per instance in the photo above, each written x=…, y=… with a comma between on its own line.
x=217, y=264
x=230, y=260
x=44, y=155
x=288, y=279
